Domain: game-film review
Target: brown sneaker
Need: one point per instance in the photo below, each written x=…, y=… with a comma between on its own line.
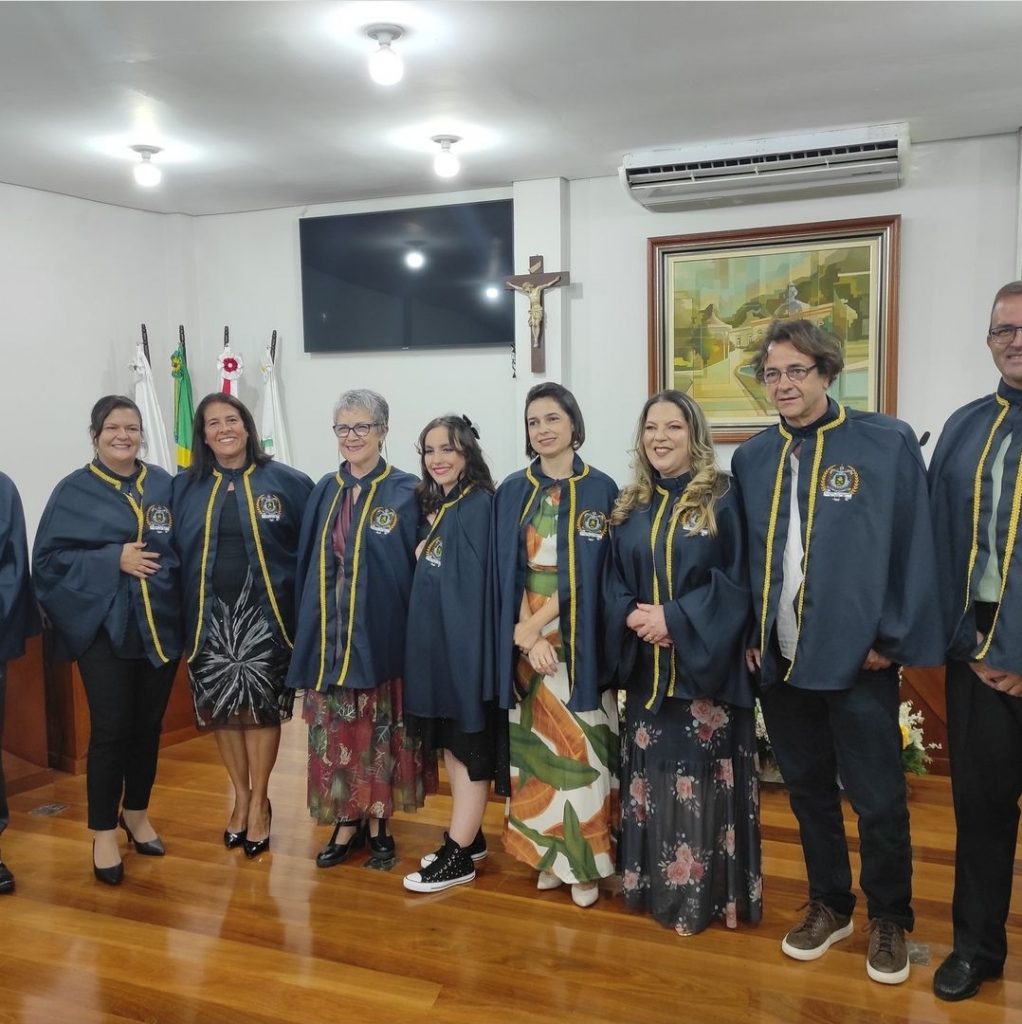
x=819, y=928
x=887, y=958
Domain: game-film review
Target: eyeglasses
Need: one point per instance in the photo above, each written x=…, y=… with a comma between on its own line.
x=1004, y=335
x=795, y=373
x=358, y=429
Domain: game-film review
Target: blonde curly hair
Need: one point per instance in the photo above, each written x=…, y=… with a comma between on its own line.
x=707, y=481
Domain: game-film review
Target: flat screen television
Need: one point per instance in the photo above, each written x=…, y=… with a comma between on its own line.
x=408, y=279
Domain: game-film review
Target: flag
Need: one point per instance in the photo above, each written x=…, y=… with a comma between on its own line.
x=273, y=436
x=157, y=451
x=184, y=409
x=230, y=367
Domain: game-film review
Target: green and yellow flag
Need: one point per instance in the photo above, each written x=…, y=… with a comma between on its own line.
x=184, y=409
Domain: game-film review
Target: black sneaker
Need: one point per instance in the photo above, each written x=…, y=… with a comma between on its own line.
x=453, y=866
x=476, y=850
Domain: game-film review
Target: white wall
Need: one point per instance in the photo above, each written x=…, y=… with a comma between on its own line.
x=78, y=277
x=958, y=211
x=248, y=276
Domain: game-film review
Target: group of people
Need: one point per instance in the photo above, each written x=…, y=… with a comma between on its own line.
x=496, y=624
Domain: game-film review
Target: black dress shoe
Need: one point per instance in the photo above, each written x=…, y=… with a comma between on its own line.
x=6, y=878
x=957, y=979
x=381, y=845
x=334, y=852
x=110, y=876
x=152, y=848
x=255, y=847
x=232, y=840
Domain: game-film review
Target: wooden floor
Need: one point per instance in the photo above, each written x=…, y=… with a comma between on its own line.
x=204, y=935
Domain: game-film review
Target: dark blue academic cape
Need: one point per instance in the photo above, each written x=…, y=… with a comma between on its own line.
x=702, y=582
x=869, y=565
x=271, y=502
x=447, y=614
x=358, y=640
x=76, y=561
x=583, y=542
x=18, y=616
x=970, y=437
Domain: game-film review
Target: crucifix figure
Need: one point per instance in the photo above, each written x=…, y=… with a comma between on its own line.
x=532, y=285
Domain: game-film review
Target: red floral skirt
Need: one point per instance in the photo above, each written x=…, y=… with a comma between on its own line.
x=362, y=762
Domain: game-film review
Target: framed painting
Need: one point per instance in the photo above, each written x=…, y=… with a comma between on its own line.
x=713, y=295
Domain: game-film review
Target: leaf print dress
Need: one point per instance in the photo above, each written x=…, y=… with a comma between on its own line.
x=564, y=787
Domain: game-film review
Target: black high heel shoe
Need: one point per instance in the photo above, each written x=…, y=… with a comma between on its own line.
x=111, y=876
x=232, y=840
x=334, y=852
x=381, y=845
x=153, y=848
x=255, y=847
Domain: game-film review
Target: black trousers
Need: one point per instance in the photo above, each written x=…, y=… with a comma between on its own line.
x=127, y=699
x=5, y=812
x=984, y=730
x=818, y=735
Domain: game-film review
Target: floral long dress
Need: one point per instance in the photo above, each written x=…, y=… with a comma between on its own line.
x=564, y=786
x=362, y=762
x=690, y=850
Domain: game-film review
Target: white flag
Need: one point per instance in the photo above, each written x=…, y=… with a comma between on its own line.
x=273, y=435
x=157, y=448
x=230, y=367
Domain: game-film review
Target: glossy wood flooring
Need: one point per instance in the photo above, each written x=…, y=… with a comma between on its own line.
x=204, y=935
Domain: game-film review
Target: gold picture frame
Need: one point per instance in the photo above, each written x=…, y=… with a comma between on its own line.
x=713, y=295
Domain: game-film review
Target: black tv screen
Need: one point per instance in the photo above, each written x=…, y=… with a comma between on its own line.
x=407, y=279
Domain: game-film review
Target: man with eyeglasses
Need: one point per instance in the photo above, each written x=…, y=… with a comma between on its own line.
x=976, y=495
x=843, y=574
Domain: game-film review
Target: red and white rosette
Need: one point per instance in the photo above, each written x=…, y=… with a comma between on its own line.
x=230, y=367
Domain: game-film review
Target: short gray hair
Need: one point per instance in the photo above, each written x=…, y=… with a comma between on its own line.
x=1006, y=291
x=362, y=398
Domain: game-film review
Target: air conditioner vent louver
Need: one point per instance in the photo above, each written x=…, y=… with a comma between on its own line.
x=854, y=160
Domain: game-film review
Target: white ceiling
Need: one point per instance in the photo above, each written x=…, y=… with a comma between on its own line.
x=263, y=105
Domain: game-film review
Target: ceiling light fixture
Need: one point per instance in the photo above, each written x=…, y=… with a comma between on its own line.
x=385, y=65
x=446, y=163
x=147, y=174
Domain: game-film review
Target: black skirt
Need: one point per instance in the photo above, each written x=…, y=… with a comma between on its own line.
x=477, y=751
x=238, y=675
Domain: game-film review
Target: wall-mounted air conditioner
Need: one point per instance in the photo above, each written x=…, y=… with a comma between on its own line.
x=756, y=170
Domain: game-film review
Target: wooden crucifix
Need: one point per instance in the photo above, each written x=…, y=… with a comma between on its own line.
x=532, y=285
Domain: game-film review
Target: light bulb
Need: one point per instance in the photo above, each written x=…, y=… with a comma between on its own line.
x=385, y=64
x=414, y=260
x=492, y=293
x=446, y=164
x=147, y=174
